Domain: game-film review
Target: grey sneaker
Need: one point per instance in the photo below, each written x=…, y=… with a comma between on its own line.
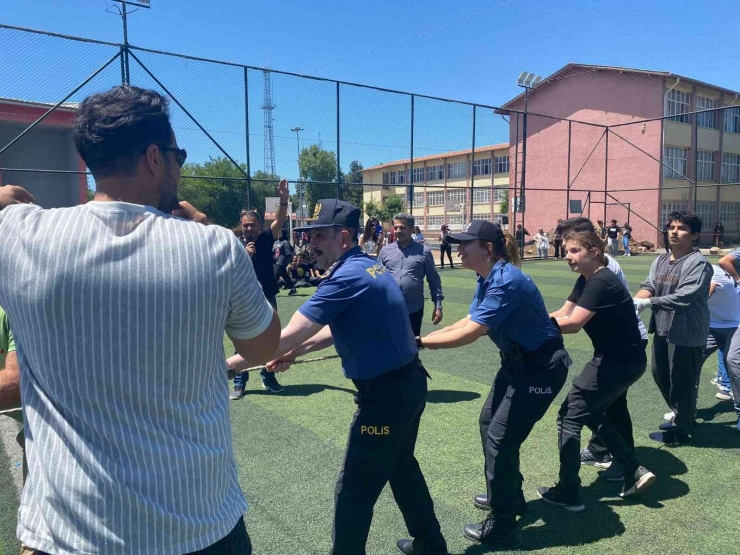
x=637, y=483
x=724, y=394
x=589, y=459
x=237, y=394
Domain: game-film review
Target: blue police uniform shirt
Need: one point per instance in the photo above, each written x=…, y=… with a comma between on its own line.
x=509, y=303
x=366, y=312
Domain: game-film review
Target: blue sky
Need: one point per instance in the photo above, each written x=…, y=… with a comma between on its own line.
x=467, y=50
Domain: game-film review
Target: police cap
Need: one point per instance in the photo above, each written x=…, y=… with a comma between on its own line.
x=478, y=229
x=331, y=212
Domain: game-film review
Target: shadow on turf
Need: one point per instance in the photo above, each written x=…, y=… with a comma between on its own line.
x=450, y=396
x=300, y=390
x=598, y=521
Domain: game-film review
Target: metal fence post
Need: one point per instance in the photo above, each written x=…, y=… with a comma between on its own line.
x=606, y=171
x=246, y=125
x=567, y=192
x=339, y=165
x=472, y=167
x=410, y=190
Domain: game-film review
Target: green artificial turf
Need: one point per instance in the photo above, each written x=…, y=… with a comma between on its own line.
x=289, y=450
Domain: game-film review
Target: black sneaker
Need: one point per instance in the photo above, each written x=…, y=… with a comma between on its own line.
x=271, y=384
x=556, y=496
x=414, y=547
x=292, y=292
x=491, y=533
x=638, y=482
x=670, y=437
x=589, y=459
x=615, y=473
x=481, y=502
x=237, y=394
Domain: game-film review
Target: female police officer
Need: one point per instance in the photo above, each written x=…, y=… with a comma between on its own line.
x=534, y=365
x=391, y=384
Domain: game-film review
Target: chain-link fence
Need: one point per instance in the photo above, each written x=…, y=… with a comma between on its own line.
x=447, y=162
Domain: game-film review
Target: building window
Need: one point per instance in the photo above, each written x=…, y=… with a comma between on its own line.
x=419, y=221
x=400, y=177
x=675, y=159
x=676, y=105
x=707, y=119
x=418, y=199
x=482, y=167
x=500, y=194
x=502, y=164
x=456, y=196
x=666, y=207
x=435, y=173
x=386, y=178
x=436, y=198
x=498, y=219
x=482, y=217
x=481, y=195
x=705, y=165
x=705, y=210
x=434, y=222
x=417, y=175
x=455, y=221
x=729, y=214
x=730, y=168
x=457, y=170
x=732, y=119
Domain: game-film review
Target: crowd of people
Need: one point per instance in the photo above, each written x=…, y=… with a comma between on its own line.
x=113, y=323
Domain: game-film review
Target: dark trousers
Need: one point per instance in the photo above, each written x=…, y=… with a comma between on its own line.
x=445, y=248
x=674, y=369
x=281, y=271
x=241, y=378
x=618, y=415
x=416, y=319
x=380, y=449
x=520, y=396
x=596, y=388
x=235, y=543
x=559, y=249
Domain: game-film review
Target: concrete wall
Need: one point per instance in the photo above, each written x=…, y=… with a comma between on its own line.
x=606, y=98
x=47, y=148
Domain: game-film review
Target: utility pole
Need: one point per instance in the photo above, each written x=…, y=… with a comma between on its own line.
x=123, y=12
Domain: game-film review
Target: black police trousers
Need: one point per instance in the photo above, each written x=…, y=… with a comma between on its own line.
x=380, y=449
x=594, y=390
x=522, y=391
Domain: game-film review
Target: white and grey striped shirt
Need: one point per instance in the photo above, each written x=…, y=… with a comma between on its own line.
x=119, y=313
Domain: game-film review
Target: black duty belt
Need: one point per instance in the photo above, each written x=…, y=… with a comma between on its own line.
x=517, y=353
x=390, y=376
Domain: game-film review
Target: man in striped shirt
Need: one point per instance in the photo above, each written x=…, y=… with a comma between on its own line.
x=119, y=309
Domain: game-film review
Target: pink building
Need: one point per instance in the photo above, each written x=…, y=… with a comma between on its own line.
x=630, y=182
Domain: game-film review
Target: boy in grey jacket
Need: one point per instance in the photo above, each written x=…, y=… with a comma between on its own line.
x=677, y=291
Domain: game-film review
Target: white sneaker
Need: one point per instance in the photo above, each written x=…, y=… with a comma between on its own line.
x=669, y=416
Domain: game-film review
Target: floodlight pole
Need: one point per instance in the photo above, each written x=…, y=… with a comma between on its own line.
x=297, y=131
x=527, y=81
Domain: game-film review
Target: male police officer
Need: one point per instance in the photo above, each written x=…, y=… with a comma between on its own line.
x=382, y=361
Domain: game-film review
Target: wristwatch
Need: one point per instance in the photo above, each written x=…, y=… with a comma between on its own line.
x=419, y=344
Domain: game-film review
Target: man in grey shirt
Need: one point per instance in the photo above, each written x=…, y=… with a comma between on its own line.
x=677, y=290
x=409, y=262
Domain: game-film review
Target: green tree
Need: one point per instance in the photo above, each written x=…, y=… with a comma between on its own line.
x=90, y=193
x=504, y=206
x=352, y=187
x=373, y=209
x=318, y=165
x=219, y=189
x=393, y=205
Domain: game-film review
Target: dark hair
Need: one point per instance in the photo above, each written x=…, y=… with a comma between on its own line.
x=251, y=214
x=369, y=230
x=111, y=128
x=589, y=240
x=578, y=223
x=686, y=217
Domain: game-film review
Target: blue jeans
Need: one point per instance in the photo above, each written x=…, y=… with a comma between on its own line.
x=241, y=379
x=626, y=244
x=723, y=377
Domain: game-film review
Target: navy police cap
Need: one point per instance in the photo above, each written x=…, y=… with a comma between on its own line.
x=331, y=212
x=478, y=229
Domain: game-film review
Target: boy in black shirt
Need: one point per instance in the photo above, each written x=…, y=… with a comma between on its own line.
x=602, y=306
